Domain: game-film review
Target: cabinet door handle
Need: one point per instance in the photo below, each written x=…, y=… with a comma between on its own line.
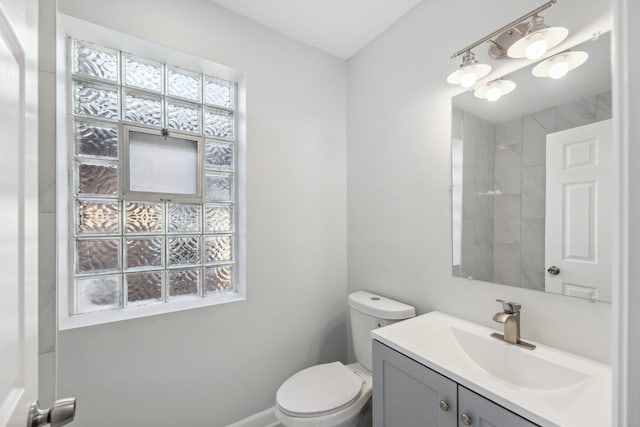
x=466, y=419
x=444, y=406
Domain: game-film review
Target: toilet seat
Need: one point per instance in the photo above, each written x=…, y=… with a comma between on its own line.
x=319, y=390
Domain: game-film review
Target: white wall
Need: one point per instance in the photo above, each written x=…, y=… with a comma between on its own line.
x=398, y=163
x=212, y=366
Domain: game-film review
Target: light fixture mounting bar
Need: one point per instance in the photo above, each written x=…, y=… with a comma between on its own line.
x=507, y=27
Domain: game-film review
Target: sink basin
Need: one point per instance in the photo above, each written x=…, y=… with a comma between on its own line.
x=519, y=367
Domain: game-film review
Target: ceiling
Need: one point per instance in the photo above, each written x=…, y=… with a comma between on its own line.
x=338, y=27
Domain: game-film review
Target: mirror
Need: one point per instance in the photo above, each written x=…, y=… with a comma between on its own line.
x=532, y=181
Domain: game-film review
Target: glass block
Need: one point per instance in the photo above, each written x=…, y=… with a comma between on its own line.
x=218, y=123
x=144, y=252
x=95, y=255
x=184, y=84
x=184, y=250
x=217, y=249
x=97, y=217
x=97, y=179
x=144, y=288
x=95, y=61
x=143, y=217
x=141, y=108
x=96, y=139
x=91, y=99
x=97, y=293
x=183, y=282
x=218, y=93
x=183, y=116
x=218, y=218
x=218, y=155
x=218, y=279
x=184, y=218
x=143, y=73
x=219, y=188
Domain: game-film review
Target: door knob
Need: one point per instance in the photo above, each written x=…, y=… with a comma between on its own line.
x=553, y=270
x=62, y=412
x=466, y=419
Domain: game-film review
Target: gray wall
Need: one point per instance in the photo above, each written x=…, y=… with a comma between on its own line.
x=215, y=365
x=398, y=162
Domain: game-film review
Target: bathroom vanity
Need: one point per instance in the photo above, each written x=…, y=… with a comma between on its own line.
x=440, y=370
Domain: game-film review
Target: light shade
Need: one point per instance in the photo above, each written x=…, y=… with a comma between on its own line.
x=538, y=40
x=495, y=90
x=559, y=65
x=469, y=72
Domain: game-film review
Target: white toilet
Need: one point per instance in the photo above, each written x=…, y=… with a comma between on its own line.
x=332, y=394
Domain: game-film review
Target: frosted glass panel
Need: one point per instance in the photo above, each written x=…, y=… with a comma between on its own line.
x=183, y=282
x=218, y=279
x=219, y=188
x=97, y=293
x=143, y=73
x=184, y=218
x=218, y=155
x=217, y=249
x=97, y=179
x=95, y=61
x=101, y=101
x=162, y=165
x=95, y=255
x=96, y=139
x=144, y=217
x=184, y=250
x=143, y=109
x=183, y=116
x=144, y=288
x=97, y=217
x=144, y=252
x=218, y=123
x=183, y=84
x=218, y=93
x=218, y=218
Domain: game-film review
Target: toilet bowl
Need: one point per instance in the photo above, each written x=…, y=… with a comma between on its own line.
x=334, y=394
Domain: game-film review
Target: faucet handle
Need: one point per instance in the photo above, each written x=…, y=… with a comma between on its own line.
x=509, y=307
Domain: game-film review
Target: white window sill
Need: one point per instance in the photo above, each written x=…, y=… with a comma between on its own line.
x=109, y=316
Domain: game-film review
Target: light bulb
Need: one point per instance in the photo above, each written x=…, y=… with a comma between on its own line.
x=536, y=49
x=468, y=79
x=559, y=69
x=493, y=94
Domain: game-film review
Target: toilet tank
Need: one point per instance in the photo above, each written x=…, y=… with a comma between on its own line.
x=368, y=311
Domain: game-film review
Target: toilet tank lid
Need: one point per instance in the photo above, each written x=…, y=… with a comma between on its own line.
x=381, y=307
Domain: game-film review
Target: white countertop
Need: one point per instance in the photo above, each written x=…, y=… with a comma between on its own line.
x=430, y=339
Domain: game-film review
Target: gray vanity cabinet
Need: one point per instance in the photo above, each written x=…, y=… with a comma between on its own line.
x=408, y=394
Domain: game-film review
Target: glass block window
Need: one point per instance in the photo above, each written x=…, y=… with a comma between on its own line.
x=128, y=253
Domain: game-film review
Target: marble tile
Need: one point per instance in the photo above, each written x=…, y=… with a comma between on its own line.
x=469, y=198
x=46, y=379
x=470, y=124
x=483, y=231
x=603, y=106
x=508, y=133
x=484, y=207
x=47, y=35
x=506, y=231
x=46, y=282
x=532, y=244
x=508, y=169
x=46, y=142
x=577, y=113
x=535, y=128
x=467, y=263
x=483, y=132
x=506, y=206
x=484, y=167
x=532, y=280
x=483, y=268
x=456, y=123
x=533, y=192
x=506, y=264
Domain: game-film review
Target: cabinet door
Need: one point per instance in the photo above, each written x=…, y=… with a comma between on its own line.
x=408, y=394
x=482, y=412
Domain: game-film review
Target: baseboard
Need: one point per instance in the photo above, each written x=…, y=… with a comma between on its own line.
x=266, y=418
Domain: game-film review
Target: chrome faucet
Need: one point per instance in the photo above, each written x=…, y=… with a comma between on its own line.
x=510, y=317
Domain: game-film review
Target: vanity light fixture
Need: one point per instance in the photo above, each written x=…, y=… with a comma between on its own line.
x=470, y=71
x=559, y=65
x=495, y=89
x=538, y=40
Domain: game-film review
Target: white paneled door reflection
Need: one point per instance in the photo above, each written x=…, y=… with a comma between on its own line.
x=578, y=218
